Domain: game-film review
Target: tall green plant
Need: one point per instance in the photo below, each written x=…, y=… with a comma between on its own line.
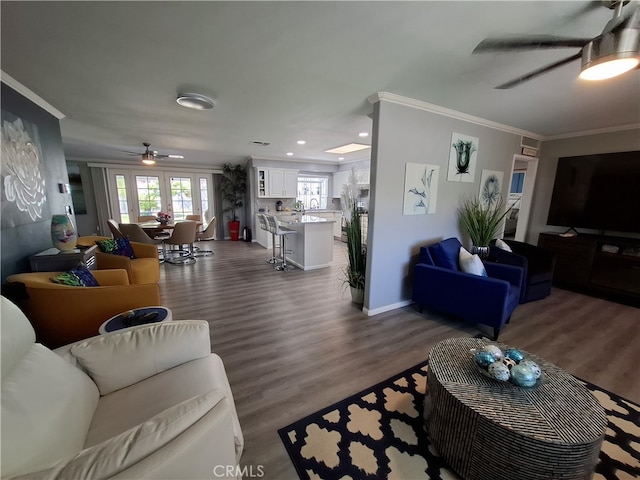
x=482, y=222
x=355, y=270
x=233, y=186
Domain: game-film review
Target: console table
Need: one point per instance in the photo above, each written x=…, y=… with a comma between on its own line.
x=54, y=260
x=597, y=264
x=487, y=429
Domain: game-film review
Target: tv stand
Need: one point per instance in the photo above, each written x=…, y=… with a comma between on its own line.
x=599, y=265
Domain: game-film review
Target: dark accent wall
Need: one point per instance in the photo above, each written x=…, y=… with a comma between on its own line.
x=17, y=243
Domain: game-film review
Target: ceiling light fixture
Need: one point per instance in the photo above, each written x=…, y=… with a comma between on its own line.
x=148, y=159
x=363, y=134
x=289, y=154
x=301, y=142
x=194, y=101
x=611, y=55
x=349, y=148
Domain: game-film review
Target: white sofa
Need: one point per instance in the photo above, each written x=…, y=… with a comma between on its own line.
x=145, y=402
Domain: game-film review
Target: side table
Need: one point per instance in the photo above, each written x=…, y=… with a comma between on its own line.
x=486, y=429
x=119, y=322
x=54, y=260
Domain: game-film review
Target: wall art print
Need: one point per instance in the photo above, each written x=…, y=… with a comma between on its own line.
x=463, y=155
x=490, y=188
x=24, y=197
x=420, y=189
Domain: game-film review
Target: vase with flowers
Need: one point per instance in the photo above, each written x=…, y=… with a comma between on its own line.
x=163, y=218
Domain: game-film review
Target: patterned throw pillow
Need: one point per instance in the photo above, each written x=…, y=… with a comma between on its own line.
x=116, y=246
x=80, y=276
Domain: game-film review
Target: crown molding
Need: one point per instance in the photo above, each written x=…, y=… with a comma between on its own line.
x=27, y=93
x=620, y=128
x=447, y=112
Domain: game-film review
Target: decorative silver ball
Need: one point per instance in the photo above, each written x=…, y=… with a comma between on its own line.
x=499, y=371
x=493, y=350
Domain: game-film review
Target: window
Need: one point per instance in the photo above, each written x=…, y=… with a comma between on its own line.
x=148, y=188
x=123, y=206
x=517, y=182
x=204, y=199
x=312, y=191
x=181, y=197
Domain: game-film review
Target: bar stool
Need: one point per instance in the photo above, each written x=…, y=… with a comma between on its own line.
x=282, y=233
x=264, y=225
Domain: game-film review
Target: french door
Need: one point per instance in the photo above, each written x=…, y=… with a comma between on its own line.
x=136, y=193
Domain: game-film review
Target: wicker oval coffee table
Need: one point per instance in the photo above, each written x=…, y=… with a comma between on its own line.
x=491, y=430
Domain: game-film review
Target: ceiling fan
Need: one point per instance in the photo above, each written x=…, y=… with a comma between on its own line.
x=614, y=51
x=149, y=156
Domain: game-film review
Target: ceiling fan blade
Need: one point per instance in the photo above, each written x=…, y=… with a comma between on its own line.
x=530, y=42
x=539, y=72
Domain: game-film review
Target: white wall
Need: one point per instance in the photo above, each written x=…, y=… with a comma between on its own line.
x=404, y=134
x=551, y=151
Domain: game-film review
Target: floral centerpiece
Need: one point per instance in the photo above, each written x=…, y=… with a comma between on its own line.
x=163, y=218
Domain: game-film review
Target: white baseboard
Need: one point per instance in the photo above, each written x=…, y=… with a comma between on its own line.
x=386, y=308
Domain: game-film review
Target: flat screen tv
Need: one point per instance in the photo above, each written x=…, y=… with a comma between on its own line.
x=600, y=192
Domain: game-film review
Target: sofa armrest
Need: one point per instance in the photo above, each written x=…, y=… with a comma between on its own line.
x=122, y=358
x=106, y=261
x=142, y=250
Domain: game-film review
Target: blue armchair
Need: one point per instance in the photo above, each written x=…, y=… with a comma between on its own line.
x=439, y=284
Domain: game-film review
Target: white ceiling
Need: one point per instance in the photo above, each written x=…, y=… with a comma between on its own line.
x=283, y=71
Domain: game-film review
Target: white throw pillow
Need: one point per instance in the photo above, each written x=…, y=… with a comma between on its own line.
x=471, y=263
x=503, y=245
x=122, y=358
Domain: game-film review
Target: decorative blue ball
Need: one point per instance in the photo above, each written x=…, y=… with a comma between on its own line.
x=533, y=366
x=499, y=371
x=523, y=375
x=514, y=354
x=484, y=359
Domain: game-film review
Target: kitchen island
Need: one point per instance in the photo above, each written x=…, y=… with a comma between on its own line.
x=312, y=246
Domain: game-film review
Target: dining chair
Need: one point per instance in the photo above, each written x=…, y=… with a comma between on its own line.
x=209, y=233
x=184, y=233
x=146, y=218
x=115, y=229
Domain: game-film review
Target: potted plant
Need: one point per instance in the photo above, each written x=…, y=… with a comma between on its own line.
x=354, y=272
x=233, y=186
x=482, y=222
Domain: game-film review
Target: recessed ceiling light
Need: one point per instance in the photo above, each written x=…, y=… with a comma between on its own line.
x=289, y=154
x=340, y=158
x=351, y=147
x=175, y=156
x=363, y=134
x=301, y=142
x=194, y=101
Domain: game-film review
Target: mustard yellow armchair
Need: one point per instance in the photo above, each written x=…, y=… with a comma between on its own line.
x=61, y=314
x=145, y=268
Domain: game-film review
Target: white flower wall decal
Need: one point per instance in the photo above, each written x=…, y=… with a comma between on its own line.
x=24, y=184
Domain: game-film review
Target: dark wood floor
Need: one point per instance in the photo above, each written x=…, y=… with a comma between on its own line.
x=293, y=342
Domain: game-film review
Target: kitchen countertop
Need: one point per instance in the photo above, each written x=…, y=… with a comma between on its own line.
x=305, y=219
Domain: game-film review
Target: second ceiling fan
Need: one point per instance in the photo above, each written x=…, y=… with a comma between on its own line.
x=149, y=156
x=614, y=51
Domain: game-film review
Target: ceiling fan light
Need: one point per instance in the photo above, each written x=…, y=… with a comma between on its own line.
x=609, y=69
x=195, y=101
x=148, y=161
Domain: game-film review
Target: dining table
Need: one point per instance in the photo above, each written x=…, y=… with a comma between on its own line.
x=152, y=228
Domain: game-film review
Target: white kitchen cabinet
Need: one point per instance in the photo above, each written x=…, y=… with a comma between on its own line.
x=277, y=183
x=362, y=176
x=339, y=180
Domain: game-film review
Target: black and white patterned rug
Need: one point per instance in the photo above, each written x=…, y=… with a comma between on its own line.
x=379, y=434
